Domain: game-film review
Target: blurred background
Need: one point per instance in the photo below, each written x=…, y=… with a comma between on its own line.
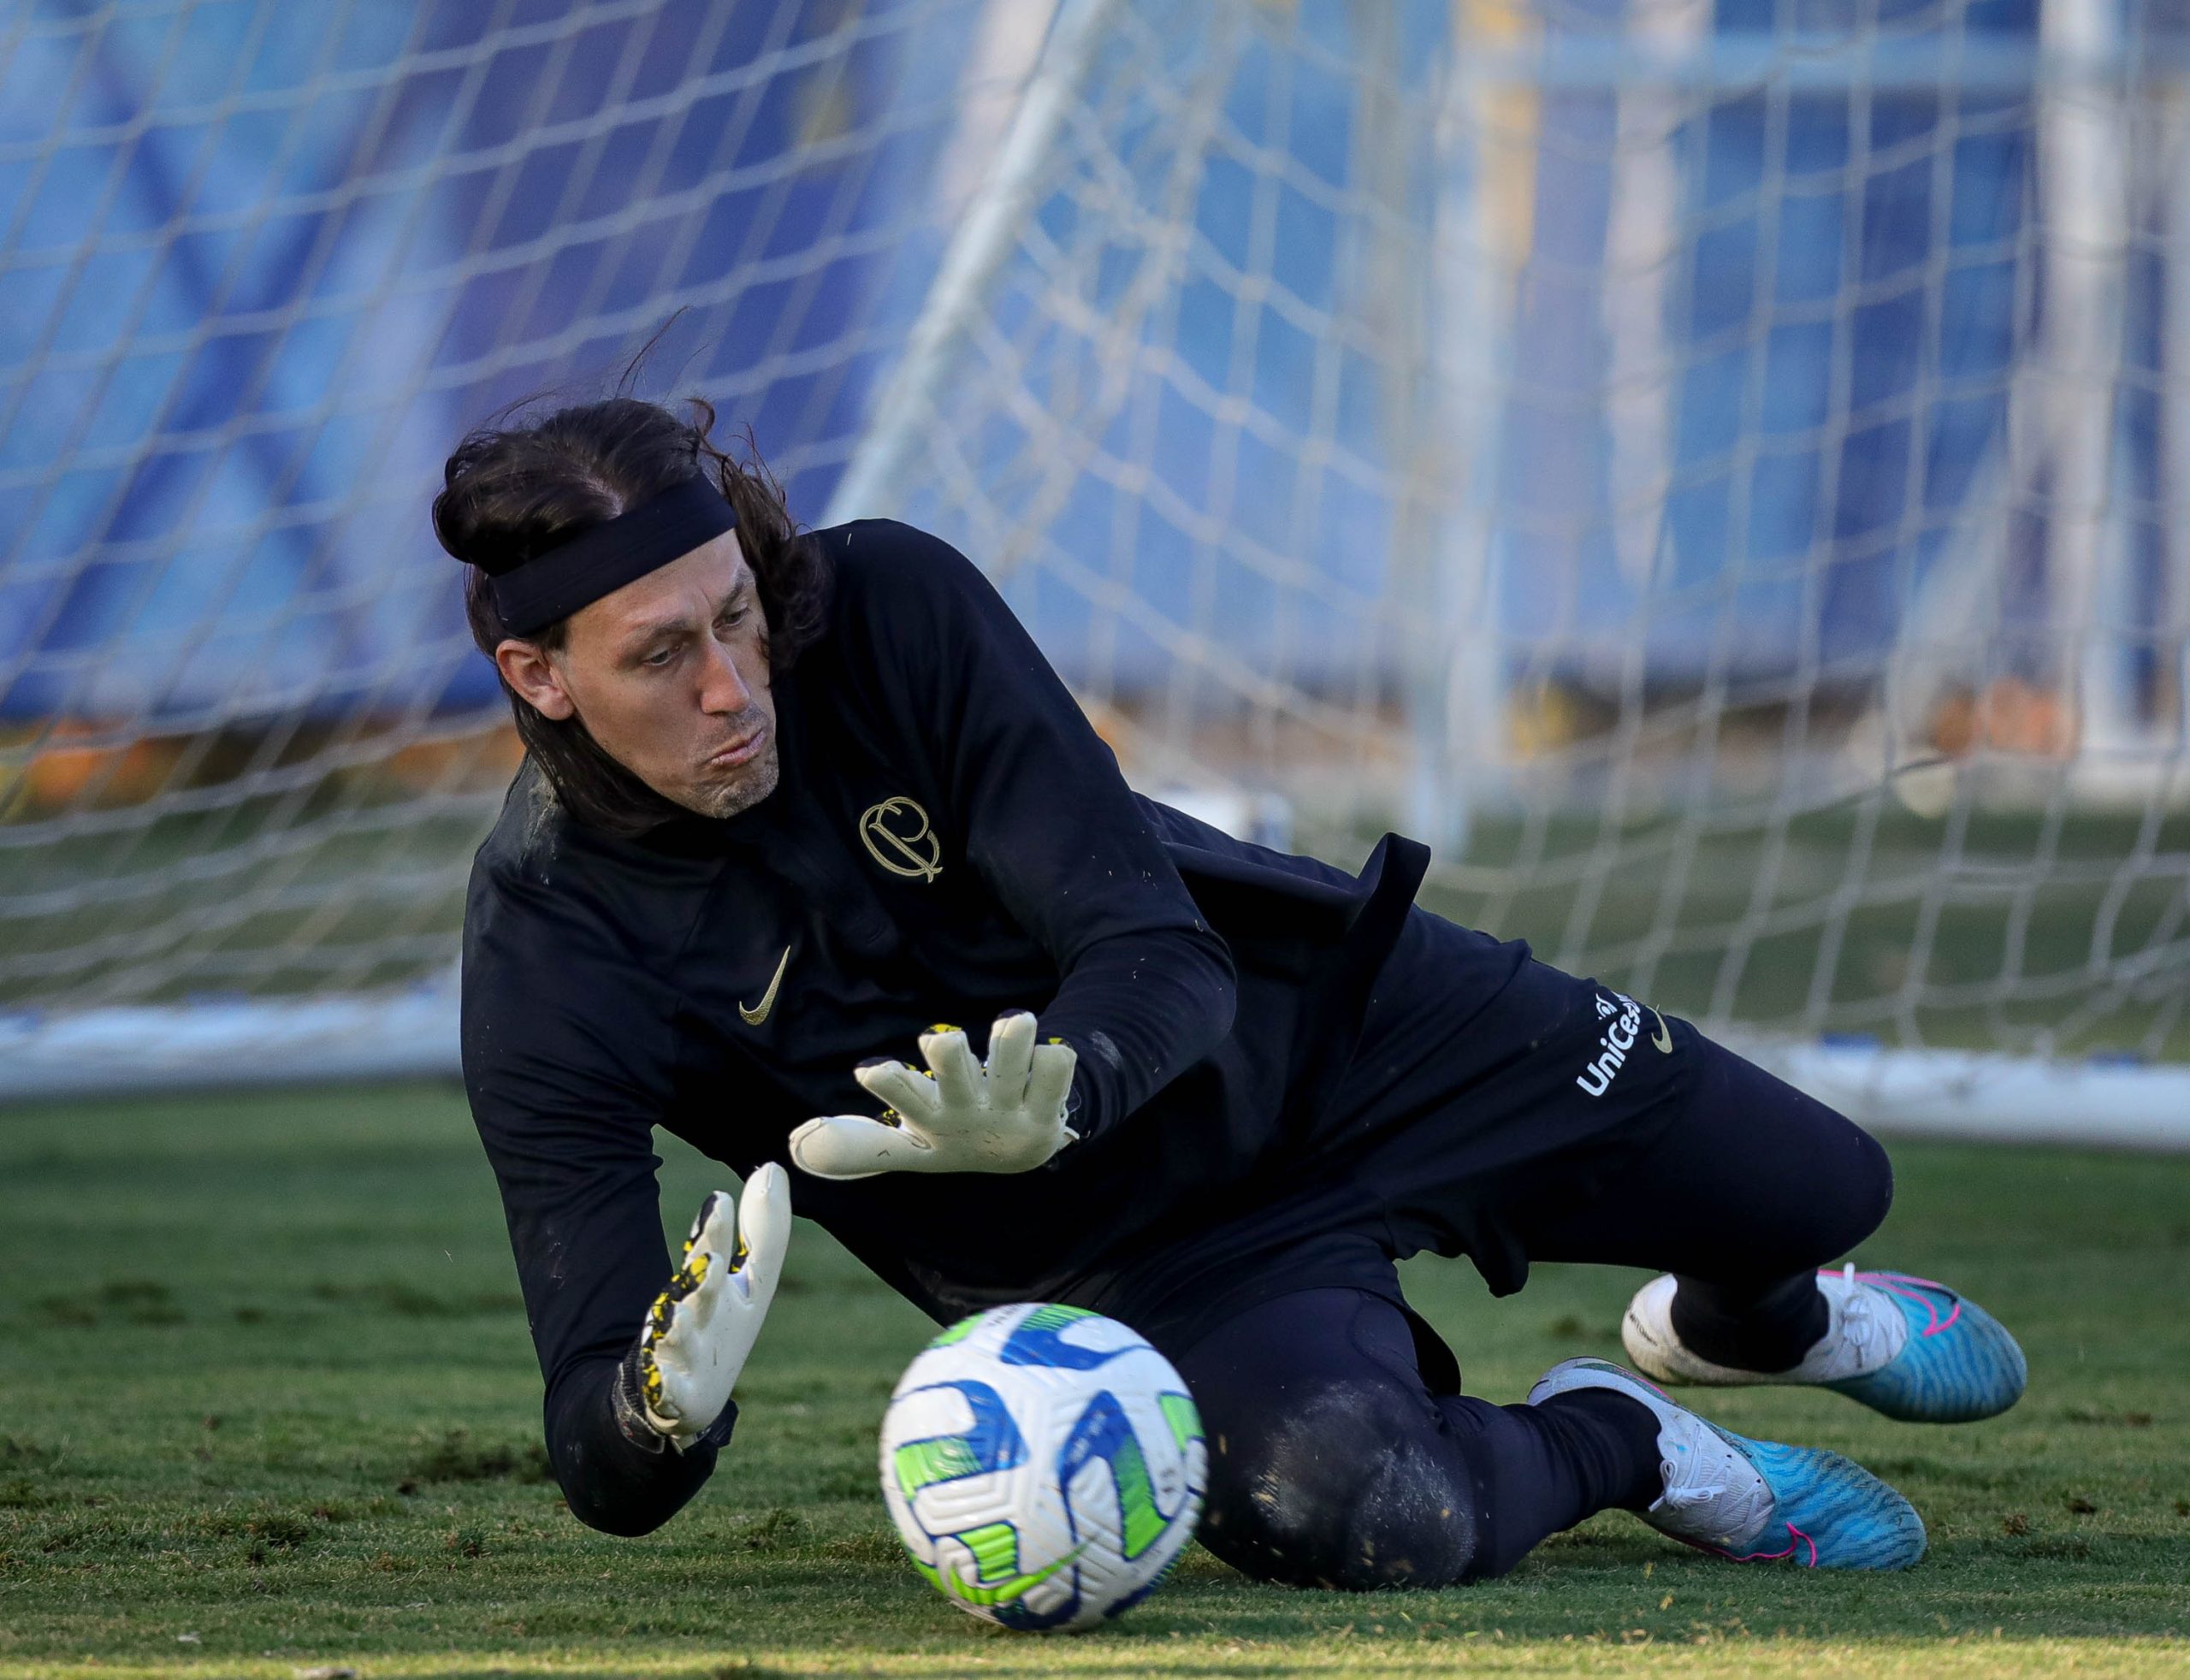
x=1715, y=470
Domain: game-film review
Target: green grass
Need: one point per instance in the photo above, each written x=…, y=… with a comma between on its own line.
x=266, y=1403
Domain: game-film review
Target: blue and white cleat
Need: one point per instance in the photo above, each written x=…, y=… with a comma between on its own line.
x=1756, y=1501
x=1905, y=1346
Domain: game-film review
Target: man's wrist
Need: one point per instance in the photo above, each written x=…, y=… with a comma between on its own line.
x=649, y=1433
x=648, y=1430
x=625, y=1403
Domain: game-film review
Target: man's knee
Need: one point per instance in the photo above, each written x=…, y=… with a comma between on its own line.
x=1860, y=1197
x=1826, y=1182
x=1352, y=1489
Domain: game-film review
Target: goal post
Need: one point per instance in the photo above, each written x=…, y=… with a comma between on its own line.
x=1718, y=476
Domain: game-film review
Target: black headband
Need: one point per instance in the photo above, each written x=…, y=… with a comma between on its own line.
x=551, y=586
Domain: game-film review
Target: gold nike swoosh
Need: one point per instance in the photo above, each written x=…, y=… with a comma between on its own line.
x=1663, y=1038
x=754, y=1017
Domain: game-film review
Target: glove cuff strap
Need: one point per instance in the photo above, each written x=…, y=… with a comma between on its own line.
x=633, y=1421
x=647, y=1431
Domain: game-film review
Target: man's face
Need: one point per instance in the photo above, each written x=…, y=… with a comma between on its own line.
x=669, y=673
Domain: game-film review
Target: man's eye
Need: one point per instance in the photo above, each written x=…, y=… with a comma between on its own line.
x=731, y=618
x=659, y=657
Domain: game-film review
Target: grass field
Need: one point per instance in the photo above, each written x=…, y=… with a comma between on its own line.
x=267, y=1404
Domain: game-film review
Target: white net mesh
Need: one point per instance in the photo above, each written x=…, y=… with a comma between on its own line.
x=1712, y=471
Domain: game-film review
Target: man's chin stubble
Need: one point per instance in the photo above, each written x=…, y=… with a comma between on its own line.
x=747, y=791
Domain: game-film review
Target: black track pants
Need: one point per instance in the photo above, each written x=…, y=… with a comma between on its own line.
x=1334, y=1461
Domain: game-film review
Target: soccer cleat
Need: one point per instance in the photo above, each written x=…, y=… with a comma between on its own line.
x=1756, y=1501
x=1905, y=1346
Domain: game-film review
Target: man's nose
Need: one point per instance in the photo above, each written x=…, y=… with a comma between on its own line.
x=724, y=689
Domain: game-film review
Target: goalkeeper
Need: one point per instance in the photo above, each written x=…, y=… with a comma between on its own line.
x=793, y=801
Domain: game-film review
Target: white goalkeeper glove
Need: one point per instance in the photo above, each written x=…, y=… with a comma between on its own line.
x=699, y=1331
x=958, y=1117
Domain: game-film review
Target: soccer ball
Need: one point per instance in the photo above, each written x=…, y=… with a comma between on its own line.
x=1044, y=1466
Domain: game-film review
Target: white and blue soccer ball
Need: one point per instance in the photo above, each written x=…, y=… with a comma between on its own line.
x=1044, y=1465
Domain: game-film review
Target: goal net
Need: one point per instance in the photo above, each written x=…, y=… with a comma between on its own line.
x=1711, y=469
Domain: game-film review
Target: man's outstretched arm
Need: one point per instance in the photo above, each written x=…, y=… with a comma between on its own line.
x=1146, y=987
x=639, y=1352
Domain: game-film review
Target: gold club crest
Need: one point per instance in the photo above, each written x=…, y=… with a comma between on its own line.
x=899, y=838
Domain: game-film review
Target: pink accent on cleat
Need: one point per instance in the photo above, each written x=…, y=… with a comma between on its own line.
x=1795, y=1545
x=1887, y=1281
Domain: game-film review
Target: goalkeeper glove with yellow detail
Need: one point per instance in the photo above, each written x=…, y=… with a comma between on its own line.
x=675, y=1383
x=959, y=1116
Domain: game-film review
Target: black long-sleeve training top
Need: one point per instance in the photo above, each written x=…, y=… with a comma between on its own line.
x=950, y=838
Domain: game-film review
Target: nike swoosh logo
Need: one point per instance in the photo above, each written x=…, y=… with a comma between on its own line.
x=1005, y=1591
x=754, y=1017
x=1663, y=1038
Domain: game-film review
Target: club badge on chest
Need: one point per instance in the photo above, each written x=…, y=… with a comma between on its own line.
x=898, y=836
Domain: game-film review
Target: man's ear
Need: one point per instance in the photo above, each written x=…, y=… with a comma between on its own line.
x=525, y=667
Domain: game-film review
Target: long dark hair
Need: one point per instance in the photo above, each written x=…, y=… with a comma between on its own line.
x=513, y=491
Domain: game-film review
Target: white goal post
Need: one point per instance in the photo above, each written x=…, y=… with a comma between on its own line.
x=1723, y=479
